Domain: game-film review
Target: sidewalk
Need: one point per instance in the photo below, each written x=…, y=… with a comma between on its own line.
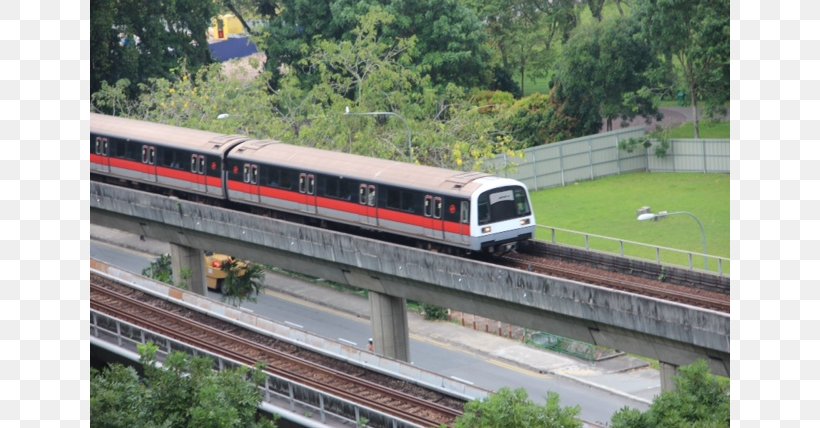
x=623, y=375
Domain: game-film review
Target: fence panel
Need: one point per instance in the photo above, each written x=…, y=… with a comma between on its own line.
x=595, y=156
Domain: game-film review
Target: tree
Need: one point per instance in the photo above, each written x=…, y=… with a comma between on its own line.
x=604, y=73
x=695, y=33
x=513, y=409
x=184, y=392
x=244, y=281
x=700, y=400
x=450, y=37
x=134, y=42
x=536, y=120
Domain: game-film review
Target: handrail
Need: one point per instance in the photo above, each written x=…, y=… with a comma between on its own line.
x=723, y=263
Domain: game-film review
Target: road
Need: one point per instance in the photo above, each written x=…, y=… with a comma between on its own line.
x=597, y=406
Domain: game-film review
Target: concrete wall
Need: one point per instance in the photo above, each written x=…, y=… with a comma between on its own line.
x=670, y=332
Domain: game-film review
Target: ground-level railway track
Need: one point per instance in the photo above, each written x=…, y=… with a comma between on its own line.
x=412, y=403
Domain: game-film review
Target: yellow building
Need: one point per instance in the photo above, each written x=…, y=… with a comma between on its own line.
x=224, y=26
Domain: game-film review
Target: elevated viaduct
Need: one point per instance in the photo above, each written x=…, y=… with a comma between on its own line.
x=672, y=333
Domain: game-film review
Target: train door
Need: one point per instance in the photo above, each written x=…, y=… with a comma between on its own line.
x=464, y=219
x=198, y=171
x=367, y=199
x=433, y=224
x=307, y=187
x=149, y=160
x=250, y=176
x=100, y=160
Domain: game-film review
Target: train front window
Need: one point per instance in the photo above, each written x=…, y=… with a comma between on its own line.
x=502, y=204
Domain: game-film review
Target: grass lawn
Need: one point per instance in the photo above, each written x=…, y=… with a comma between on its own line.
x=708, y=129
x=608, y=206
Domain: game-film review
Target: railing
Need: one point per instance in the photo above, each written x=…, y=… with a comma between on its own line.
x=277, y=391
x=625, y=248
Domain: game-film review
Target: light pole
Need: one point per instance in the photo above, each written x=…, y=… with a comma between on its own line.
x=388, y=113
x=646, y=214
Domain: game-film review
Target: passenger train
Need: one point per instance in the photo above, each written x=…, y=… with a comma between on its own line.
x=467, y=210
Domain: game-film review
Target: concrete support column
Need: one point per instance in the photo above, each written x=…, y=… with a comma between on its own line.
x=388, y=318
x=188, y=268
x=668, y=373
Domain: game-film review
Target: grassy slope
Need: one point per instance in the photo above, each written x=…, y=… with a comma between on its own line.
x=608, y=207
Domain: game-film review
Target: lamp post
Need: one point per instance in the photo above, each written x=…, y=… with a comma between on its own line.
x=388, y=113
x=646, y=214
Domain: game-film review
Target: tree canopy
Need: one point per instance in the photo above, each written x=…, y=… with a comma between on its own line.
x=135, y=42
x=184, y=392
x=508, y=408
x=701, y=400
x=695, y=34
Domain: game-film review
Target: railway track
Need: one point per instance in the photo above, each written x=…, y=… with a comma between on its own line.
x=634, y=284
x=533, y=256
x=409, y=402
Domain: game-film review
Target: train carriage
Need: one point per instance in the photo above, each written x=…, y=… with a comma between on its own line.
x=169, y=156
x=469, y=210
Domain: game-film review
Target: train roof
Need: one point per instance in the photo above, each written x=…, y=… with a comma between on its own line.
x=445, y=181
x=354, y=166
x=166, y=135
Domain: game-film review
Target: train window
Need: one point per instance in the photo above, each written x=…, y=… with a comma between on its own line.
x=105, y=146
x=483, y=211
x=465, y=212
x=437, y=208
x=254, y=174
x=202, y=165
x=428, y=206
x=371, y=196
x=246, y=173
x=144, y=154
x=193, y=163
x=311, y=187
x=97, y=145
x=362, y=194
x=152, y=154
x=302, y=183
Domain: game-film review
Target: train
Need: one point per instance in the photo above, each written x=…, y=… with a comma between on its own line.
x=441, y=208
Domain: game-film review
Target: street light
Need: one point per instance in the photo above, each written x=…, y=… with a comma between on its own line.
x=388, y=113
x=646, y=214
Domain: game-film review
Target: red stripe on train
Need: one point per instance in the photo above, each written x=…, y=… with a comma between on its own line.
x=349, y=207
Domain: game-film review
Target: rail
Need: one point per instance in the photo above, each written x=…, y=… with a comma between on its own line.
x=277, y=391
x=626, y=248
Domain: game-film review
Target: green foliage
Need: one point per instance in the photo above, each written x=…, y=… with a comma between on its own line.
x=433, y=312
x=450, y=37
x=695, y=34
x=160, y=269
x=512, y=409
x=536, y=120
x=244, y=281
x=604, y=74
x=134, y=42
x=700, y=400
x=184, y=392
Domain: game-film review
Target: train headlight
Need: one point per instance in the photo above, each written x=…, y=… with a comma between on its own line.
x=525, y=221
x=486, y=229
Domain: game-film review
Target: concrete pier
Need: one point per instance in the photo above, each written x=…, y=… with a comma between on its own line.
x=388, y=318
x=188, y=268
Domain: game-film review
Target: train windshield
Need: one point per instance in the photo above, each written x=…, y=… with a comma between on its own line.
x=502, y=204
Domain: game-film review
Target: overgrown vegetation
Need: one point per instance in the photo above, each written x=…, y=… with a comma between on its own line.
x=160, y=269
